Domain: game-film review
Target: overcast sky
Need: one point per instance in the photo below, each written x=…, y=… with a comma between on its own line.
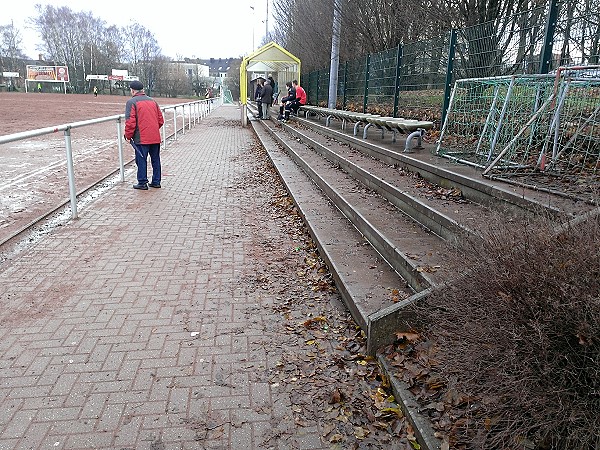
x=200, y=28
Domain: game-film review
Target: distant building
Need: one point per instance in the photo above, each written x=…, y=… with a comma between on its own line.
x=191, y=69
x=218, y=67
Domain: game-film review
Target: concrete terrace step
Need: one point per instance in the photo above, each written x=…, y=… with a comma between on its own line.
x=366, y=282
x=413, y=257
x=405, y=244
x=404, y=219
x=376, y=195
x=385, y=208
x=437, y=209
x=444, y=172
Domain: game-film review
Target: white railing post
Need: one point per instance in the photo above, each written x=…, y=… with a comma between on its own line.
x=175, y=122
x=164, y=129
x=70, y=173
x=182, y=119
x=120, y=141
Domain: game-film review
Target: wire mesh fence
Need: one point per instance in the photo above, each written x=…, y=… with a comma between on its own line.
x=412, y=81
x=505, y=47
x=355, y=84
x=535, y=130
x=422, y=78
x=577, y=36
x=501, y=75
x=380, y=91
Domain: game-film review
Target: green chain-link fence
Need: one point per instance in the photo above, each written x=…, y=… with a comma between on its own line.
x=414, y=80
x=497, y=93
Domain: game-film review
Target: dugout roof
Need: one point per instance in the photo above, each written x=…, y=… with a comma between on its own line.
x=269, y=59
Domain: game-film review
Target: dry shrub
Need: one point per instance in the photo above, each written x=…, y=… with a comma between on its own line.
x=521, y=334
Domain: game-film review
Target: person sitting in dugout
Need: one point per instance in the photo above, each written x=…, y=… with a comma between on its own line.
x=294, y=105
x=286, y=101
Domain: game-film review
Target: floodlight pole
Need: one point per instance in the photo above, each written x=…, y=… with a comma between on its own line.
x=267, y=23
x=253, y=19
x=335, y=54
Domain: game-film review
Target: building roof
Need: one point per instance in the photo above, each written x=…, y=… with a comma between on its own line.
x=219, y=64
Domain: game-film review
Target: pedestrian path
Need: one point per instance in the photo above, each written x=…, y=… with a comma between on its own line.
x=143, y=324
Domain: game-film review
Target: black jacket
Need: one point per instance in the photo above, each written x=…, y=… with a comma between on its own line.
x=267, y=94
x=291, y=95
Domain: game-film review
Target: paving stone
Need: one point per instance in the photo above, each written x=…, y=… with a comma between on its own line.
x=146, y=334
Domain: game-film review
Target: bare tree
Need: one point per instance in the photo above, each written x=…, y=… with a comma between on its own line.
x=304, y=27
x=233, y=78
x=381, y=24
x=368, y=26
x=10, y=48
x=108, y=51
x=142, y=52
x=580, y=30
x=70, y=38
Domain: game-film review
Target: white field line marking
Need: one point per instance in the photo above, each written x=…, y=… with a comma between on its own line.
x=82, y=156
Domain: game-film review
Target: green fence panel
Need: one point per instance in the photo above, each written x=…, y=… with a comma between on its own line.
x=510, y=45
x=382, y=84
x=355, y=85
x=323, y=87
x=576, y=36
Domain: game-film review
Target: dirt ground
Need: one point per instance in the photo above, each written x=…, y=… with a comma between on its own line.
x=33, y=171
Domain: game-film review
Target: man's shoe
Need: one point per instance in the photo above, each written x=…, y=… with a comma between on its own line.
x=154, y=185
x=143, y=187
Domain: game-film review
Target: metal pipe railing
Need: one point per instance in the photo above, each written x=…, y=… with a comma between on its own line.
x=66, y=128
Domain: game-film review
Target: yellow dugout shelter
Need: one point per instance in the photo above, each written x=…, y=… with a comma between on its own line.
x=270, y=59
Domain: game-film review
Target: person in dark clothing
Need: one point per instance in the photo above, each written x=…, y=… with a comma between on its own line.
x=274, y=87
x=287, y=100
x=294, y=105
x=143, y=120
x=258, y=97
x=267, y=98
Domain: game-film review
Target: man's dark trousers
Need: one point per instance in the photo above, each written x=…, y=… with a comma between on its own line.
x=292, y=106
x=141, y=160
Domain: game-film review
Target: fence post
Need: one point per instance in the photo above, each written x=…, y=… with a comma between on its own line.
x=546, y=60
x=71, y=173
x=318, y=81
x=397, y=85
x=345, y=84
x=449, y=71
x=121, y=158
x=367, y=70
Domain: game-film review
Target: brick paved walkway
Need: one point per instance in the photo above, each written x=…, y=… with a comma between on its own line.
x=138, y=326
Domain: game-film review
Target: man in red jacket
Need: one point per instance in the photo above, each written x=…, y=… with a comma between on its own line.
x=296, y=103
x=143, y=120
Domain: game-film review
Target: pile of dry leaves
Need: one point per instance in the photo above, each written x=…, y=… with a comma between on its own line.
x=321, y=362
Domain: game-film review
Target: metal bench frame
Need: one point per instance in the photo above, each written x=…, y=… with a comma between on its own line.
x=412, y=128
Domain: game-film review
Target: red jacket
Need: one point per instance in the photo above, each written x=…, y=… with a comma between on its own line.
x=301, y=95
x=143, y=119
